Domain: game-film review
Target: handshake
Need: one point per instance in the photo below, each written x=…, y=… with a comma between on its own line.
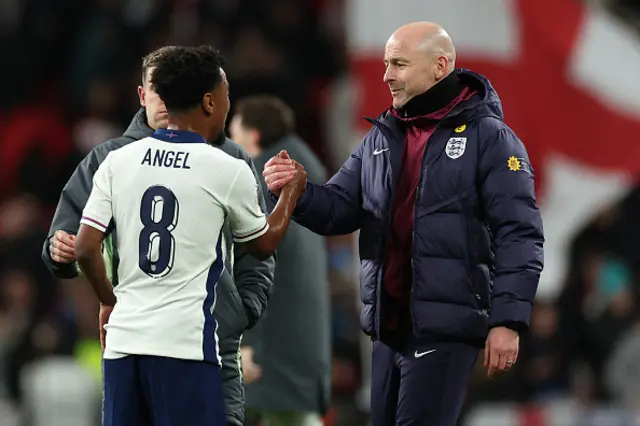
x=282, y=174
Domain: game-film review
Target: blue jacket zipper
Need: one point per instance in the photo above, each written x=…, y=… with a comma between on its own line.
x=423, y=168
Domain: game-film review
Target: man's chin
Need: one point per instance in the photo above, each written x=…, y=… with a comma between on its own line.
x=162, y=123
x=397, y=104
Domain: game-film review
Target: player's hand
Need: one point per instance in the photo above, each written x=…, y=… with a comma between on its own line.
x=103, y=319
x=279, y=171
x=62, y=247
x=250, y=370
x=299, y=182
x=501, y=350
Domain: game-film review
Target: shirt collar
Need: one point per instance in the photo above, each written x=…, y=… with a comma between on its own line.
x=178, y=136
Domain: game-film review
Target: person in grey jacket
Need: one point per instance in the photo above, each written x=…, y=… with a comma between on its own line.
x=242, y=297
x=287, y=358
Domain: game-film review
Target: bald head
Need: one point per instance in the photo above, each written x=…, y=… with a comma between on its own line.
x=417, y=56
x=427, y=37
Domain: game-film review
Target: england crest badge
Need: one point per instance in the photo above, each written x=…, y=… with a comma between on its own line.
x=455, y=147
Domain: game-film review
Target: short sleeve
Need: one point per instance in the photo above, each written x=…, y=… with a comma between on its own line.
x=246, y=218
x=97, y=212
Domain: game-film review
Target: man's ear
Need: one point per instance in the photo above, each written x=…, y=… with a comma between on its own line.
x=141, y=95
x=208, y=104
x=255, y=137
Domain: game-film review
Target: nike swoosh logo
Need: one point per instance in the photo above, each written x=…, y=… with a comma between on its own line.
x=380, y=151
x=421, y=354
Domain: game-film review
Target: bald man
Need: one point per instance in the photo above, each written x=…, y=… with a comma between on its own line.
x=451, y=240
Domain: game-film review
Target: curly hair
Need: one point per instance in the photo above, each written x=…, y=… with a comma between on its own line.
x=182, y=75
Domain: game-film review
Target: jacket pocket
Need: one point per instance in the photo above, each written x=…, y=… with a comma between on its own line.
x=240, y=310
x=461, y=197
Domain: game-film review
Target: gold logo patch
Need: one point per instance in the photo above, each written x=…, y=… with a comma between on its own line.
x=513, y=163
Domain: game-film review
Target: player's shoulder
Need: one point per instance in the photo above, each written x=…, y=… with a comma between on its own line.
x=225, y=158
x=233, y=149
x=100, y=152
x=125, y=150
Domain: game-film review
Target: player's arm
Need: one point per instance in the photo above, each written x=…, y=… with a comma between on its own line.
x=66, y=219
x=91, y=262
x=249, y=225
x=94, y=225
x=330, y=209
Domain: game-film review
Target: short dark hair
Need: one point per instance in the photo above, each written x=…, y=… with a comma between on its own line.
x=269, y=115
x=182, y=75
x=151, y=59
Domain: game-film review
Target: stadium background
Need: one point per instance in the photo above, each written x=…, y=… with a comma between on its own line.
x=566, y=71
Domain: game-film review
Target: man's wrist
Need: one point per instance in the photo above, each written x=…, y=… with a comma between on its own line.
x=518, y=327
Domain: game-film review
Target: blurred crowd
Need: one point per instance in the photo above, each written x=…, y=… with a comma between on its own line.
x=584, y=346
x=74, y=69
x=75, y=65
x=70, y=84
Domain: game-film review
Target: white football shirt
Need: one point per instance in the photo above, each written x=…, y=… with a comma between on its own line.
x=169, y=196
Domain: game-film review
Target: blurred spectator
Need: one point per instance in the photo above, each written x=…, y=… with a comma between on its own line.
x=293, y=381
x=58, y=392
x=16, y=305
x=623, y=370
x=542, y=371
x=95, y=125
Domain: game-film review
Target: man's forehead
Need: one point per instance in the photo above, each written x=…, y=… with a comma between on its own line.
x=146, y=78
x=396, y=47
x=405, y=47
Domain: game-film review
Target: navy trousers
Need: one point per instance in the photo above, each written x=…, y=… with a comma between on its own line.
x=157, y=391
x=422, y=384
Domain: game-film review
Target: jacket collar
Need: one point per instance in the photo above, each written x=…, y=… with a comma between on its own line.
x=434, y=99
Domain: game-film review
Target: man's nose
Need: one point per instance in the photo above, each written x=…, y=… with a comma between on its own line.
x=388, y=76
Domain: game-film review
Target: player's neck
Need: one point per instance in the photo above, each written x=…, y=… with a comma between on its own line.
x=190, y=125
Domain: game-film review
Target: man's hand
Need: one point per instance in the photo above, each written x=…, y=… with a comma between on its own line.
x=103, y=319
x=501, y=350
x=250, y=370
x=279, y=171
x=62, y=247
x=298, y=182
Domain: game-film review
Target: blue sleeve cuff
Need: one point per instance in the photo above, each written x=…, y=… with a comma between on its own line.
x=510, y=313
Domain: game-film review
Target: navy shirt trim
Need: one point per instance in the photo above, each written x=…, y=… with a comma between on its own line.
x=178, y=136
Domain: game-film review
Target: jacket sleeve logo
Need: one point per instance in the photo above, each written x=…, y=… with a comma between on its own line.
x=514, y=164
x=455, y=147
x=460, y=129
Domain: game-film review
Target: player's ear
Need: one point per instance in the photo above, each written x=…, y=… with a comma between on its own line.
x=141, y=94
x=208, y=105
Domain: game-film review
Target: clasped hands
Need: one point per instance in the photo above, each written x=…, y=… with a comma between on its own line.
x=281, y=171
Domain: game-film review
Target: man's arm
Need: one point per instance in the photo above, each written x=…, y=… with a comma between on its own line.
x=335, y=207
x=67, y=216
x=253, y=278
x=508, y=197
